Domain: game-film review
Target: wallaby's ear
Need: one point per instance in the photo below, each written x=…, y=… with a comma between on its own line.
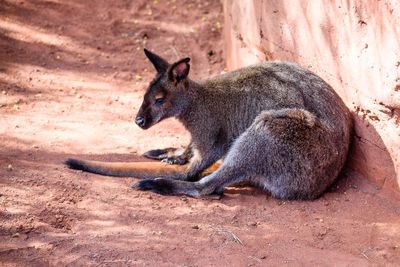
x=160, y=64
x=179, y=70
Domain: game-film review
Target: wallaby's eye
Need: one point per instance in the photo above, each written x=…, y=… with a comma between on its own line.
x=160, y=101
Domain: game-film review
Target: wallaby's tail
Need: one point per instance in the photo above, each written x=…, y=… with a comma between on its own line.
x=141, y=170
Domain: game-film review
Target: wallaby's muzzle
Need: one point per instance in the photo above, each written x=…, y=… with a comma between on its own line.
x=140, y=121
x=143, y=117
x=144, y=120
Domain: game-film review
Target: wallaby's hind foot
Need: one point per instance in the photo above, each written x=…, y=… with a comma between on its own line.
x=168, y=187
x=175, y=187
x=169, y=155
x=211, y=184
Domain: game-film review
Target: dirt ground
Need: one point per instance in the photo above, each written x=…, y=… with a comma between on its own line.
x=72, y=75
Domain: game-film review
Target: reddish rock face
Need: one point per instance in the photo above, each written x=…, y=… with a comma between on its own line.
x=353, y=46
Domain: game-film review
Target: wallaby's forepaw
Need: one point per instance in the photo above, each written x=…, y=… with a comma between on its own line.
x=157, y=153
x=168, y=155
x=175, y=160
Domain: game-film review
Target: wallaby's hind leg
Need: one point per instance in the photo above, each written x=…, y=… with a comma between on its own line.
x=275, y=153
x=213, y=183
x=170, y=155
x=235, y=168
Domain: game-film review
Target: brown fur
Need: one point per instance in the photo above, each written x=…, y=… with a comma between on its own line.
x=275, y=125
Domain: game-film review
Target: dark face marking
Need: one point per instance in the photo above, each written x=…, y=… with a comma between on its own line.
x=156, y=103
x=164, y=94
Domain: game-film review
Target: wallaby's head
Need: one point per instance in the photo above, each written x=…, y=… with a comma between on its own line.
x=166, y=94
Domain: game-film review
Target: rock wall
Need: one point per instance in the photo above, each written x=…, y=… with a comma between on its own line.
x=353, y=45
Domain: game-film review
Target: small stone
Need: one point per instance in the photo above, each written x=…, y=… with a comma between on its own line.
x=16, y=235
x=9, y=167
x=196, y=227
x=254, y=223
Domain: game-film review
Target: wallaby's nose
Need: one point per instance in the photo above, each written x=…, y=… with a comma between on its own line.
x=140, y=121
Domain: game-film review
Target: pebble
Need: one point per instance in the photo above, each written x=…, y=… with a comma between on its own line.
x=16, y=235
x=9, y=167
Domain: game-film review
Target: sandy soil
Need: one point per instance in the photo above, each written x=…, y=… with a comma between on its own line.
x=72, y=74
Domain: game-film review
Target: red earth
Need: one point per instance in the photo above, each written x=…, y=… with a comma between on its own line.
x=72, y=76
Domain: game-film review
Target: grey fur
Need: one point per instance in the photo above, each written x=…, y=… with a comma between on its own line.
x=277, y=125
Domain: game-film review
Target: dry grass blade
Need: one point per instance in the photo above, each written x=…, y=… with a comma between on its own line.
x=227, y=233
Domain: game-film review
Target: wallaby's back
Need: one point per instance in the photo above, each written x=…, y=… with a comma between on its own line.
x=237, y=97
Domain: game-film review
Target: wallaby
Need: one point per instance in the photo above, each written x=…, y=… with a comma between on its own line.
x=276, y=125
